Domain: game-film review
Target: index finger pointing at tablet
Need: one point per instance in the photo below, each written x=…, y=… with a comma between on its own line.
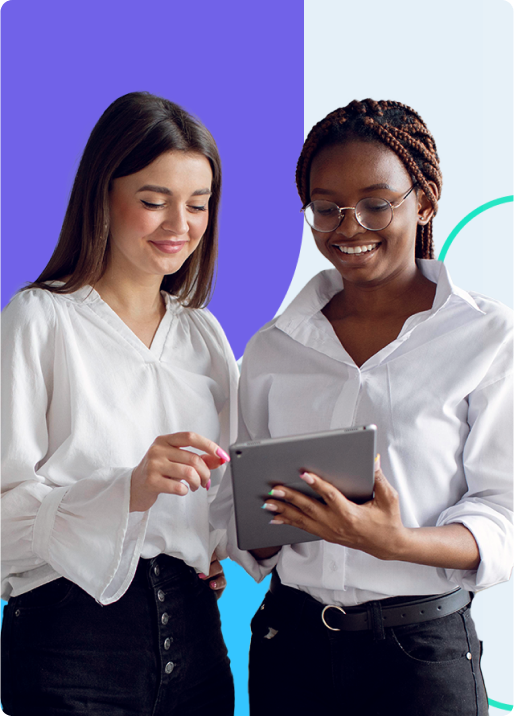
x=191, y=439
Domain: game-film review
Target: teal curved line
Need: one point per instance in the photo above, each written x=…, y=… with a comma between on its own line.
x=466, y=220
x=498, y=704
x=441, y=257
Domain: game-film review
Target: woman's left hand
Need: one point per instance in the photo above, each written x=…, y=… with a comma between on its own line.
x=375, y=527
x=216, y=576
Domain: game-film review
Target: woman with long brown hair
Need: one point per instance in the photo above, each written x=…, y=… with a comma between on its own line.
x=374, y=618
x=118, y=391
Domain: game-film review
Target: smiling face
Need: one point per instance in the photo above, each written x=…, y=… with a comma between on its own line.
x=159, y=215
x=347, y=173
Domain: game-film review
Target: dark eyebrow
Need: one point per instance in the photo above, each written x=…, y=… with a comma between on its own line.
x=321, y=191
x=156, y=189
x=379, y=186
x=165, y=190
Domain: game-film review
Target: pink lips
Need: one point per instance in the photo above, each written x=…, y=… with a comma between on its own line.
x=168, y=247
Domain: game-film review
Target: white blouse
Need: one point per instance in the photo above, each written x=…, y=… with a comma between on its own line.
x=441, y=396
x=83, y=400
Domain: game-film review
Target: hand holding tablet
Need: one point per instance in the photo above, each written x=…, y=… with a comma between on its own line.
x=374, y=527
x=344, y=458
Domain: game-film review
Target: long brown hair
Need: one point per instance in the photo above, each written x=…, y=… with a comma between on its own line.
x=132, y=132
x=397, y=126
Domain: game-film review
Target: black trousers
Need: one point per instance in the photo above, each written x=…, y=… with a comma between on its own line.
x=158, y=651
x=298, y=666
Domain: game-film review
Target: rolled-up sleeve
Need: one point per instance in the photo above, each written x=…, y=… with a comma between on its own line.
x=486, y=509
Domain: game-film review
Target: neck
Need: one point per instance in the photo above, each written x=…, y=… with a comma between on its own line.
x=400, y=294
x=129, y=295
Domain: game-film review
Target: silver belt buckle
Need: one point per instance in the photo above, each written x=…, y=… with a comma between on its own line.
x=331, y=606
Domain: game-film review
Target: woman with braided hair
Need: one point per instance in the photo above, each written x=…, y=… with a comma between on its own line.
x=374, y=617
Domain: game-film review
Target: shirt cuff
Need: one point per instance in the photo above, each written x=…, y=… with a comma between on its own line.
x=84, y=532
x=493, y=533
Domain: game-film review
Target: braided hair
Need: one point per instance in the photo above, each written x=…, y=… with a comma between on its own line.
x=402, y=131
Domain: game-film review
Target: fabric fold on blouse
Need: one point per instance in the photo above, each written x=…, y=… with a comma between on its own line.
x=441, y=397
x=83, y=400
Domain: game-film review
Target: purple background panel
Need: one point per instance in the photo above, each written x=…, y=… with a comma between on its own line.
x=239, y=67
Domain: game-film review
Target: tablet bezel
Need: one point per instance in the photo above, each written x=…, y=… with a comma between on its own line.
x=344, y=457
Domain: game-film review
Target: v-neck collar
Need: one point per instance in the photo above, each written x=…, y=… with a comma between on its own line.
x=87, y=295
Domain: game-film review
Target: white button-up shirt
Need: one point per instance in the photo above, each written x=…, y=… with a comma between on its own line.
x=441, y=397
x=83, y=400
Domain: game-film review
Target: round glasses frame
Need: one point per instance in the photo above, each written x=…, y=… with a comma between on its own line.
x=341, y=212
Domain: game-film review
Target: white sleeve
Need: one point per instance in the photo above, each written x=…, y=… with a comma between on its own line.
x=82, y=529
x=228, y=432
x=486, y=508
x=222, y=510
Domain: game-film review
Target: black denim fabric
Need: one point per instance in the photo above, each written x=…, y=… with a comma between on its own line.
x=300, y=667
x=158, y=651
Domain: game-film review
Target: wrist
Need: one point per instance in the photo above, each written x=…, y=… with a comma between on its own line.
x=398, y=545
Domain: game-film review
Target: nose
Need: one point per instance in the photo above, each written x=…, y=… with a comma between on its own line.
x=175, y=221
x=349, y=226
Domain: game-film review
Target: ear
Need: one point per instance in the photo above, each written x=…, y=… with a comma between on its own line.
x=425, y=208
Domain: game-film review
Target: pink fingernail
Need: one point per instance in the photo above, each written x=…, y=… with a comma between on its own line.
x=214, y=585
x=276, y=522
x=223, y=455
x=307, y=478
x=207, y=486
x=377, y=462
x=202, y=575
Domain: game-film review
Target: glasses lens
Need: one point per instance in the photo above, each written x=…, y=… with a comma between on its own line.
x=374, y=213
x=322, y=215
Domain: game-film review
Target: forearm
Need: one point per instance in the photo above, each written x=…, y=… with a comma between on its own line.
x=448, y=546
x=375, y=527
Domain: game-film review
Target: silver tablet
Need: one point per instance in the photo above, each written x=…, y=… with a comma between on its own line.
x=344, y=458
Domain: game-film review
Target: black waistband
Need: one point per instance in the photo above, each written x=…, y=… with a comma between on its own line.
x=391, y=612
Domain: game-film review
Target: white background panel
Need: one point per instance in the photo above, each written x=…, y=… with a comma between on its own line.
x=451, y=62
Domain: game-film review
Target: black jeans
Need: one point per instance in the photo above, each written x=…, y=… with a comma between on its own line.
x=302, y=668
x=158, y=651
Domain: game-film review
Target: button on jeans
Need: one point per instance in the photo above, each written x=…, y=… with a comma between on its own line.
x=158, y=651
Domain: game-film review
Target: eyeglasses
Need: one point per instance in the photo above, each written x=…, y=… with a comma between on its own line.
x=371, y=213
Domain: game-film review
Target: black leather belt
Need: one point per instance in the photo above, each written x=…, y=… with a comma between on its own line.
x=394, y=612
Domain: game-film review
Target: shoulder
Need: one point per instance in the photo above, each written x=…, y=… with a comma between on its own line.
x=29, y=307
x=29, y=329
x=498, y=314
x=491, y=340
x=495, y=317
x=200, y=319
x=202, y=322
x=261, y=339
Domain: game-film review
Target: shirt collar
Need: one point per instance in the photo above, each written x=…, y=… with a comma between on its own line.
x=87, y=294
x=322, y=287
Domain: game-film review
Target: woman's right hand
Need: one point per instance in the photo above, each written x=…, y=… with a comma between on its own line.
x=166, y=464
